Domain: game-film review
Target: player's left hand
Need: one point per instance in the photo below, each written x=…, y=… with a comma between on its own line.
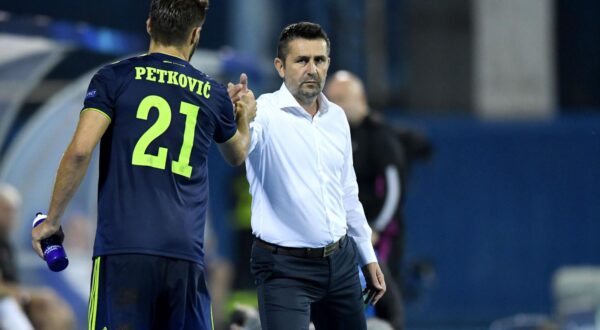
x=375, y=283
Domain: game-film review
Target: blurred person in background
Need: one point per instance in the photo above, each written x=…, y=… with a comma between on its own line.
x=377, y=161
x=155, y=117
x=309, y=225
x=381, y=160
x=20, y=305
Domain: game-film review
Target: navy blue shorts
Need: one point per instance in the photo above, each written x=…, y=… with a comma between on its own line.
x=143, y=292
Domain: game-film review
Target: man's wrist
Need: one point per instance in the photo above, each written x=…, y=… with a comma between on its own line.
x=365, y=252
x=52, y=223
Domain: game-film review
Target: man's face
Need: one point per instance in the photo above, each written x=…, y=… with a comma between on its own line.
x=305, y=68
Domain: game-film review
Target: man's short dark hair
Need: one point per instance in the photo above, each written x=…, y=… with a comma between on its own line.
x=171, y=21
x=304, y=30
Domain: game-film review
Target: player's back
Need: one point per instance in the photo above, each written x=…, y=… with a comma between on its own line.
x=153, y=185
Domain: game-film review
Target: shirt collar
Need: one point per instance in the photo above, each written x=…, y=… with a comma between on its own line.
x=169, y=58
x=287, y=101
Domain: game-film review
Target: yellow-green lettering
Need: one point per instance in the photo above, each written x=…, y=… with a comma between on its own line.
x=139, y=72
x=150, y=73
x=206, y=90
x=172, y=78
x=161, y=75
x=200, y=84
x=192, y=83
x=182, y=80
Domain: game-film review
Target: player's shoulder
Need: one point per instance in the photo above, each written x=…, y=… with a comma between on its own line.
x=201, y=75
x=118, y=68
x=216, y=86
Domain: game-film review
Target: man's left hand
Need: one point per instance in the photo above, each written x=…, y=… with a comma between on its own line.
x=375, y=283
x=238, y=90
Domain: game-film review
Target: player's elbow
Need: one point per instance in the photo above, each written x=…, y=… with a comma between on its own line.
x=78, y=155
x=236, y=159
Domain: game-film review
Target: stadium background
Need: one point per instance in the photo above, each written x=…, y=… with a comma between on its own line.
x=501, y=220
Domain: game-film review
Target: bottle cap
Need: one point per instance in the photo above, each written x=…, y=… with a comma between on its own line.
x=39, y=218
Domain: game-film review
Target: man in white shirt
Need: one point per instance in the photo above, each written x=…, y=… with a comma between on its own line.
x=309, y=225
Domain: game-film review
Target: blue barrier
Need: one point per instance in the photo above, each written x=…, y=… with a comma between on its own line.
x=498, y=209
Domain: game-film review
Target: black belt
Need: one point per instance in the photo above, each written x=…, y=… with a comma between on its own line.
x=321, y=252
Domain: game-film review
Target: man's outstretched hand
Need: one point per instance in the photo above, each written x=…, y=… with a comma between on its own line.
x=236, y=91
x=243, y=98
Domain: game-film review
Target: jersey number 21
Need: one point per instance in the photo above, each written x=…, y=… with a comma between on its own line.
x=180, y=166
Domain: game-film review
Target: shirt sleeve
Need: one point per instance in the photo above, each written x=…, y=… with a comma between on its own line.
x=258, y=125
x=358, y=228
x=100, y=95
x=225, y=126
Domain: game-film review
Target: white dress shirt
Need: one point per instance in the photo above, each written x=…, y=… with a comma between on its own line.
x=303, y=185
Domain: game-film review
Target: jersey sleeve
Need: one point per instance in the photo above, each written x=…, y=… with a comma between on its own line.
x=225, y=126
x=100, y=95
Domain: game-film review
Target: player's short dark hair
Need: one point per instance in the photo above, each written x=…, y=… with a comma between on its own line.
x=171, y=21
x=304, y=30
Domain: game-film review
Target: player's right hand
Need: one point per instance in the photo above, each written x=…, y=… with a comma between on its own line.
x=44, y=230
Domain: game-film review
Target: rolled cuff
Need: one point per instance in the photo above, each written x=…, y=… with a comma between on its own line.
x=366, y=252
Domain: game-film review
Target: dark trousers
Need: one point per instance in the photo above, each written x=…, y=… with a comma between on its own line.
x=292, y=291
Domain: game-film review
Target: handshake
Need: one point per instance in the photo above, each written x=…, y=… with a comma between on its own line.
x=51, y=246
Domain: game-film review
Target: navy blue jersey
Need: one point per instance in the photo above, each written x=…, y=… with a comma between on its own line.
x=153, y=184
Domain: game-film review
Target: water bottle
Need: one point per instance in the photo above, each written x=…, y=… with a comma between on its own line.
x=54, y=253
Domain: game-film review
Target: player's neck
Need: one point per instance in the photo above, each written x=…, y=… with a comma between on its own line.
x=178, y=52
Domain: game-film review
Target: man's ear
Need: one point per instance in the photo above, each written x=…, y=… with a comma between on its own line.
x=279, y=66
x=148, y=25
x=195, y=35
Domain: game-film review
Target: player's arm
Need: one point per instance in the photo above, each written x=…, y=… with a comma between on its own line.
x=73, y=166
x=235, y=150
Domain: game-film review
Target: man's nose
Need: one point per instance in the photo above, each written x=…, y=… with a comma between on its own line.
x=312, y=67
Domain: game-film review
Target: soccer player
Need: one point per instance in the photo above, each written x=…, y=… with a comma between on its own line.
x=154, y=116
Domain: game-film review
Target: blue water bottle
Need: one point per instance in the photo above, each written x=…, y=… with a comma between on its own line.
x=54, y=253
